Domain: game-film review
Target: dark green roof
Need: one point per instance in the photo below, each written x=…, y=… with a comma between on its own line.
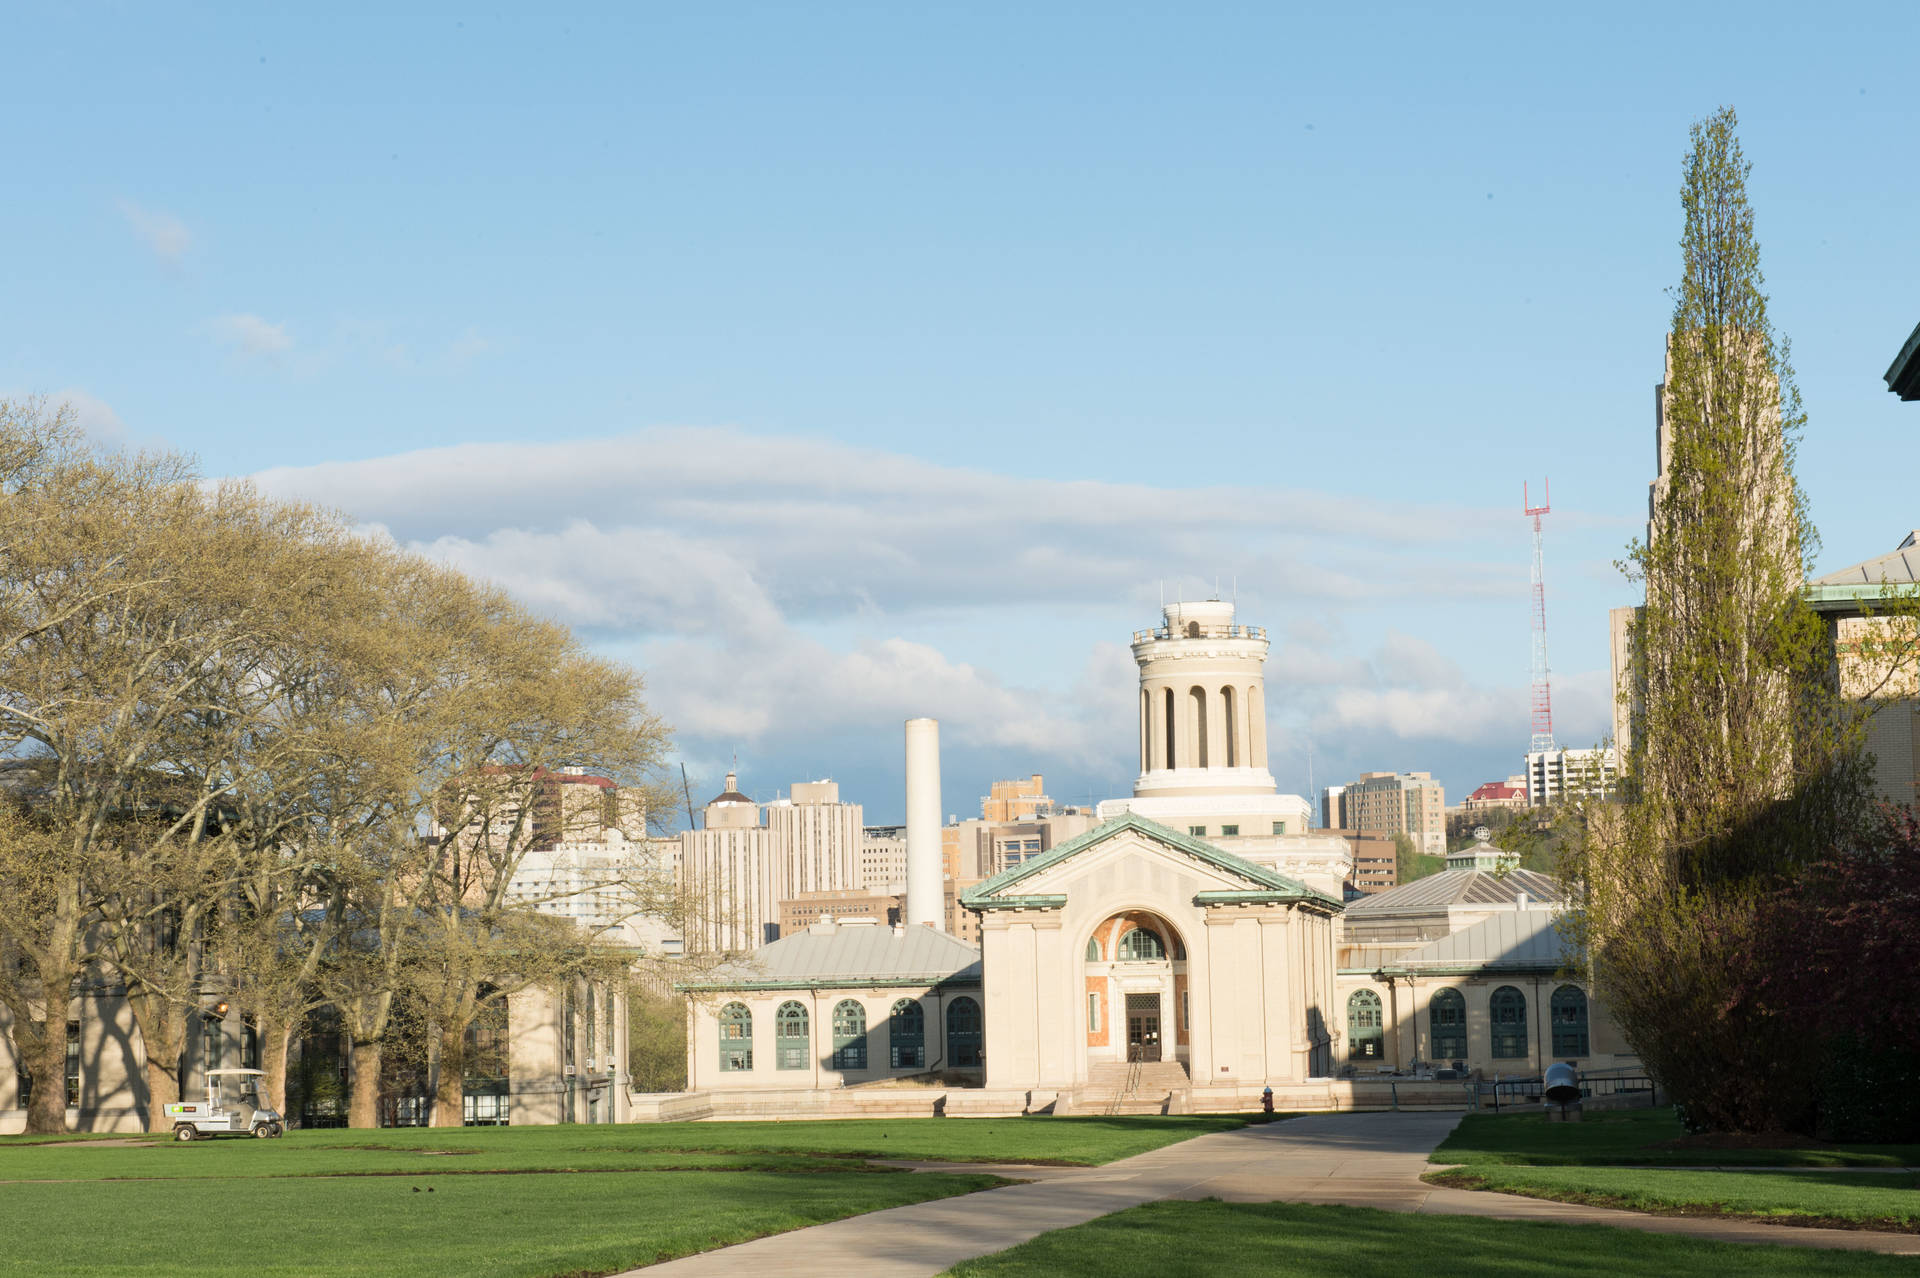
x=1273, y=886
x=1903, y=378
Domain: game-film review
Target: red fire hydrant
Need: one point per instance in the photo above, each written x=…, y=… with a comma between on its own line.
x=1266, y=1100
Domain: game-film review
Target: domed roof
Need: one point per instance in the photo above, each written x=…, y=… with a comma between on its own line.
x=731, y=794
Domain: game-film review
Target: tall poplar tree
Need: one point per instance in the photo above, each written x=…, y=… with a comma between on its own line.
x=1745, y=760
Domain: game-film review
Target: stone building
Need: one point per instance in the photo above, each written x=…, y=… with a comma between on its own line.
x=1197, y=932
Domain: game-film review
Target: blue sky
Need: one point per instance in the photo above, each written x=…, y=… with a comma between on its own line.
x=842, y=363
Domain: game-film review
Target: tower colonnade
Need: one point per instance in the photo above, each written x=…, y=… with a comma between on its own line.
x=1203, y=722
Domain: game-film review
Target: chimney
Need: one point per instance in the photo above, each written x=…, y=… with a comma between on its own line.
x=924, y=902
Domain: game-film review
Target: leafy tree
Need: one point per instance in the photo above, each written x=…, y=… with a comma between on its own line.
x=656, y=1039
x=1746, y=760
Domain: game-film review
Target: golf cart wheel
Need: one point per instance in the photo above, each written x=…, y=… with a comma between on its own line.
x=262, y=1131
x=279, y=1130
x=185, y=1131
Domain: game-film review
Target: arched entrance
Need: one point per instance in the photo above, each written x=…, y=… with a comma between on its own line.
x=1136, y=990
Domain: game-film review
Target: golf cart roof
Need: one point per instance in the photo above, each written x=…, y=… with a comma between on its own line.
x=212, y=1072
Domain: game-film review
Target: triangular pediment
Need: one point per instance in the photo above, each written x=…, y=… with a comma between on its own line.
x=1049, y=878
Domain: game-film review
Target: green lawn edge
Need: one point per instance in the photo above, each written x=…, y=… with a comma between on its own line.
x=1633, y=1138
x=1187, y=1239
x=1651, y=1200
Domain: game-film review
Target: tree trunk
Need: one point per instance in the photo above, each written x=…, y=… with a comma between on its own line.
x=363, y=1083
x=276, y=1040
x=163, y=1088
x=47, y=1065
x=450, y=1088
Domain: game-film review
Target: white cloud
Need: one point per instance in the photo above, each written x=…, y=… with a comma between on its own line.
x=250, y=334
x=163, y=233
x=96, y=417
x=781, y=592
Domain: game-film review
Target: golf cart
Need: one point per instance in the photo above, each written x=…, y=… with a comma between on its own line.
x=233, y=1108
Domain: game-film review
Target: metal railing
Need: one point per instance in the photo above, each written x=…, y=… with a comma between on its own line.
x=1497, y=1093
x=1206, y=632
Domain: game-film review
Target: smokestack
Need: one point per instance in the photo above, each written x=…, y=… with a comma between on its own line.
x=924, y=897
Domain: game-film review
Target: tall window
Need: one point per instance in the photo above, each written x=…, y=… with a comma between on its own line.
x=566, y=1025
x=1139, y=945
x=1366, y=1040
x=1447, y=1022
x=736, y=1038
x=249, y=1044
x=592, y=1027
x=1093, y=949
x=1232, y=724
x=1508, y=1011
x=790, y=1046
x=907, y=1035
x=1093, y=1013
x=1569, y=1008
x=212, y=1042
x=963, y=1032
x=849, y=1035
x=73, y=1063
x=1172, y=729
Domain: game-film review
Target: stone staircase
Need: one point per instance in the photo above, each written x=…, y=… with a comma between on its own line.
x=1148, y=1087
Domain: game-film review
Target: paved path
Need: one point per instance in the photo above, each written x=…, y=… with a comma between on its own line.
x=1364, y=1160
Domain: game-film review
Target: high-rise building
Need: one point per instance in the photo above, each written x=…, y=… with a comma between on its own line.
x=1553, y=775
x=1333, y=807
x=1015, y=800
x=738, y=869
x=1409, y=803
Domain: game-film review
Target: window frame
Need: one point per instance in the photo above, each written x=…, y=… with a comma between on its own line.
x=1451, y=1033
x=1573, y=1032
x=1503, y=1041
x=849, y=1039
x=734, y=1024
x=907, y=1047
x=1366, y=1024
x=791, y=1051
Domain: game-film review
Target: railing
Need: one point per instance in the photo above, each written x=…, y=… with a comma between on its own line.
x=1206, y=632
x=1498, y=1092
x=1132, y=1085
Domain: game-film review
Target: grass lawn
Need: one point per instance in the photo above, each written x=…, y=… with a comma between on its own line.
x=482, y=1226
x=1624, y=1159
x=570, y=1200
x=429, y=1150
x=1634, y=1137
x=1857, y=1200
x=1192, y=1240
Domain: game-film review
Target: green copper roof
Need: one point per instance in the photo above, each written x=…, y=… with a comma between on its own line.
x=1273, y=886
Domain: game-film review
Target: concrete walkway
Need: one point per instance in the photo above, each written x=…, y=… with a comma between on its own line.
x=1362, y=1160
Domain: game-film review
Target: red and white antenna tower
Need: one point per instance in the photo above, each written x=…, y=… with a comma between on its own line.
x=1542, y=691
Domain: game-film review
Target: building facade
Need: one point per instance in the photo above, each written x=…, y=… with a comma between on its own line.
x=1409, y=803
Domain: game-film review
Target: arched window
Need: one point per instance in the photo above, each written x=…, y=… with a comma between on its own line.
x=1093, y=949
x=1146, y=732
x=790, y=1046
x=849, y=1035
x=1569, y=1009
x=1193, y=630
x=736, y=1038
x=1447, y=1023
x=1508, y=1011
x=1199, y=698
x=1366, y=1041
x=907, y=1035
x=1141, y=946
x=1232, y=725
x=963, y=1032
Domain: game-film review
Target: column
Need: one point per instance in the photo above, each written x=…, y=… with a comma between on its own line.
x=1257, y=726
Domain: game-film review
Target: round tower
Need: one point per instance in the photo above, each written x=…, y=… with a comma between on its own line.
x=1203, y=720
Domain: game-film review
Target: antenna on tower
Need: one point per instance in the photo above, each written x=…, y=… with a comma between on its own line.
x=1542, y=689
